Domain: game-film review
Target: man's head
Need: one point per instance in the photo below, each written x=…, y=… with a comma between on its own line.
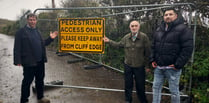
x=134, y=26
x=32, y=20
x=170, y=15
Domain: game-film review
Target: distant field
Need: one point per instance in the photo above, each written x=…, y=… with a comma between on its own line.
x=4, y=23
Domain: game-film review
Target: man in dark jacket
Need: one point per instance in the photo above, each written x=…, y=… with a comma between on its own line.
x=29, y=52
x=171, y=49
x=136, y=45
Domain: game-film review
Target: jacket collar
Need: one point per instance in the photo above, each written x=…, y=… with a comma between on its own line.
x=138, y=36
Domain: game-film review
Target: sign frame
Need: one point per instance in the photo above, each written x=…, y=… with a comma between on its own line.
x=81, y=35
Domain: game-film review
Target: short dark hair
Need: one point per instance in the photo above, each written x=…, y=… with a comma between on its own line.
x=171, y=8
x=31, y=15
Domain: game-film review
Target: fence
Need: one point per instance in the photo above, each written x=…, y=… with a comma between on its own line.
x=116, y=21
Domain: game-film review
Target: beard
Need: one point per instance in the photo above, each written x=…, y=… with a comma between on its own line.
x=168, y=23
x=168, y=20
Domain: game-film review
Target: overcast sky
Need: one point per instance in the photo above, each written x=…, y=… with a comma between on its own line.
x=11, y=9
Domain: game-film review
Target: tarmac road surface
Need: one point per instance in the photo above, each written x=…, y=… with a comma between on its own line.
x=57, y=68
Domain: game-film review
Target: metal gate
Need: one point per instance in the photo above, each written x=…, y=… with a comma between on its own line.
x=111, y=15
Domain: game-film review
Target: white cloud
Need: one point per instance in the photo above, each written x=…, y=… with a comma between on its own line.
x=11, y=9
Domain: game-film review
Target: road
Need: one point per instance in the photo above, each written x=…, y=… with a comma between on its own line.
x=57, y=68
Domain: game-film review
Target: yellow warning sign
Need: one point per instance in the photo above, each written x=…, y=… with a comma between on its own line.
x=83, y=35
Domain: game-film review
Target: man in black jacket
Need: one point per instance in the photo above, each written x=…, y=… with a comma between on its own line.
x=171, y=49
x=29, y=52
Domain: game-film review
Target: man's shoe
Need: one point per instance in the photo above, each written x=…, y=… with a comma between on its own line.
x=43, y=100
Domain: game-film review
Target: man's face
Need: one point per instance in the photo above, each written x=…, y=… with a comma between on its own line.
x=32, y=21
x=134, y=26
x=170, y=16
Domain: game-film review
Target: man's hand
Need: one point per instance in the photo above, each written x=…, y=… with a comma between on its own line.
x=154, y=64
x=106, y=39
x=18, y=65
x=172, y=65
x=53, y=34
x=147, y=70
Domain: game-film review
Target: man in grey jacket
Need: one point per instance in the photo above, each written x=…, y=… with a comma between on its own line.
x=137, y=51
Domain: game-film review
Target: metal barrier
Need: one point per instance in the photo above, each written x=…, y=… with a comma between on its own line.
x=81, y=57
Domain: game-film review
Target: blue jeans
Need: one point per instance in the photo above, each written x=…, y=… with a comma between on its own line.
x=173, y=77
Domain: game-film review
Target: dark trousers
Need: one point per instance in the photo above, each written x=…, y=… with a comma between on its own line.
x=137, y=74
x=29, y=73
